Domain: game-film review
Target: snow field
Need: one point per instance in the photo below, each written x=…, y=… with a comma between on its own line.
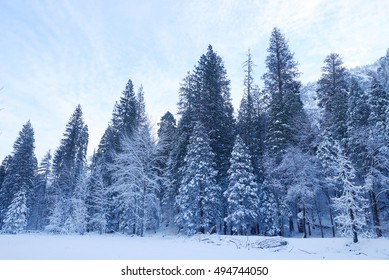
x=31, y=246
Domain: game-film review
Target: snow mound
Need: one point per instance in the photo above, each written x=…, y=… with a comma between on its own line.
x=246, y=242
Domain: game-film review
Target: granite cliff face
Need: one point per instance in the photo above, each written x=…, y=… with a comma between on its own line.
x=363, y=74
x=379, y=69
x=383, y=70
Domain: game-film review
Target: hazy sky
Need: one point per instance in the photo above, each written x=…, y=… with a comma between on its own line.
x=57, y=54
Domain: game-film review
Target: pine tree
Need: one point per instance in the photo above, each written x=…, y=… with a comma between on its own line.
x=268, y=211
x=39, y=212
x=346, y=196
x=327, y=153
x=4, y=168
x=358, y=113
x=299, y=171
x=287, y=124
x=199, y=197
x=21, y=170
x=166, y=141
x=126, y=116
x=69, y=167
x=184, y=129
x=3, y=173
x=166, y=136
x=207, y=94
x=250, y=123
x=379, y=103
x=140, y=107
x=213, y=105
x=16, y=217
x=96, y=200
x=135, y=184
x=368, y=117
x=205, y=97
x=377, y=163
x=123, y=123
x=358, y=110
x=242, y=192
x=76, y=221
x=351, y=206
x=332, y=93
x=215, y=109
x=278, y=130
x=286, y=108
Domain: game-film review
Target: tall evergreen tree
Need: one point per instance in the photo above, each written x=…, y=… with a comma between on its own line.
x=69, y=167
x=358, y=109
x=135, y=183
x=351, y=206
x=96, y=200
x=327, y=153
x=268, y=214
x=4, y=168
x=250, y=123
x=3, y=173
x=214, y=108
x=242, y=192
x=39, y=212
x=358, y=113
x=286, y=108
x=205, y=97
x=76, y=222
x=140, y=107
x=16, y=217
x=125, y=114
x=300, y=172
x=125, y=120
x=332, y=93
x=166, y=137
x=363, y=153
x=287, y=123
x=184, y=129
x=199, y=197
x=133, y=168
x=20, y=172
x=377, y=163
x=379, y=104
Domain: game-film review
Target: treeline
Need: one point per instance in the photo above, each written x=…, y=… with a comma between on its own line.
x=270, y=170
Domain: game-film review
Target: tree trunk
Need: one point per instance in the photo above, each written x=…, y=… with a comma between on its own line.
x=354, y=228
x=355, y=236
x=374, y=211
x=332, y=223
x=281, y=224
x=291, y=226
x=201, y=228
x=326, y=192
x=318, y=210
x=320, y=222
x=303, y=221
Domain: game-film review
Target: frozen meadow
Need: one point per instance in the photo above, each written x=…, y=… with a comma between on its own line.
x=39, y=246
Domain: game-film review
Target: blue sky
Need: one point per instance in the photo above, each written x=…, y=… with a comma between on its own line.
x=57, y=54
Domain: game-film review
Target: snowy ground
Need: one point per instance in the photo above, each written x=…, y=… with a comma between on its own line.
x=169, y=247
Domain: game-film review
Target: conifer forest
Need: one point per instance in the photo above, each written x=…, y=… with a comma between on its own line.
x=275, y=166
